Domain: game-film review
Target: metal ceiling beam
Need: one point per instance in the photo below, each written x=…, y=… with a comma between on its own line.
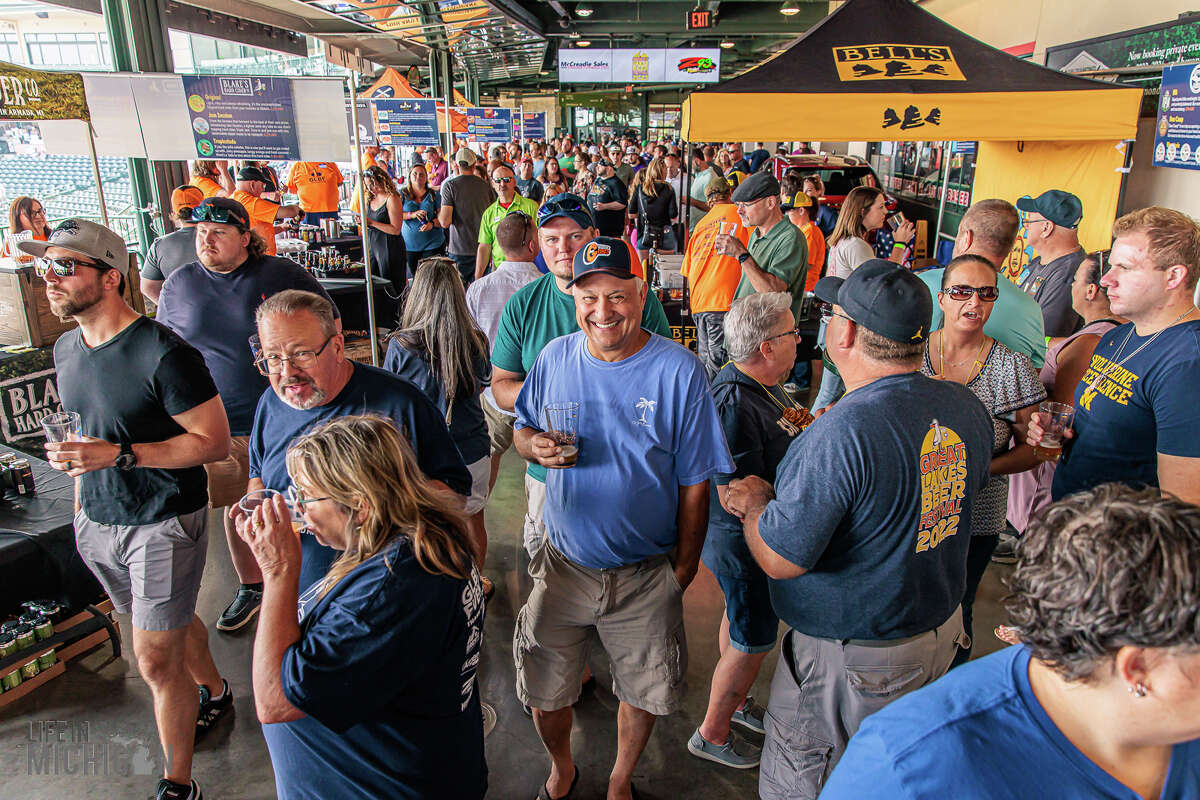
x=517, y=14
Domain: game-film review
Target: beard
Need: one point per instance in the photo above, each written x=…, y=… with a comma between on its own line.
x=318, y=397
x=76, y=303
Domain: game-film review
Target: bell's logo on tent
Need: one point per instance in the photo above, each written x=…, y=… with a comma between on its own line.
x=875, y=62
x=594, y=250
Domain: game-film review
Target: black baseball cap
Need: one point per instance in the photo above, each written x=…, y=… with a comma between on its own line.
x=252, y=174
x=603, y=254
x=883, y=298
x=1061, y=208
x=756, y=187
x=223, y=210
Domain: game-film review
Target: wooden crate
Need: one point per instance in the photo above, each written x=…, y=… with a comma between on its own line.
x=25, y=316
x=65, y=653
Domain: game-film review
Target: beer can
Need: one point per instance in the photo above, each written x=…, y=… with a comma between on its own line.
x=8, y=644
x=12, y=680
x=47, y=660
x=30, y=669
x=22, y=476
x=7, y=458
x=25, y=636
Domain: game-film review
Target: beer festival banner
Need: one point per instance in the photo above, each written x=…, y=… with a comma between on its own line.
x=407, y=121
x=33, y=95
x=242, y=117
x=489, y=124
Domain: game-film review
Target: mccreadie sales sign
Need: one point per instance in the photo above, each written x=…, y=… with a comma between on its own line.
x=643, y=65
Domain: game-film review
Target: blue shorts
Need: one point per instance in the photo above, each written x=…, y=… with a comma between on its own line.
x=753, y=626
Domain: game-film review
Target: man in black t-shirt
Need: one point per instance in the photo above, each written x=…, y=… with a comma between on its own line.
x=151, y=417
x=607, y=201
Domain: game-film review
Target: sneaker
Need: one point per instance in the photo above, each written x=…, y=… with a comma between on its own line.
x=1005, y=552
x=750, y=716
x=489, y=718
x=734, y=753
x=243, y=608
x=169, y=790
x=212, y=710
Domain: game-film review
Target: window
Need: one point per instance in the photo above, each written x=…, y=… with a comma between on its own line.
x=10, y=49
x=68, y=50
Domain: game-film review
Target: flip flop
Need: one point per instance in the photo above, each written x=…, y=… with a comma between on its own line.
x=544, y=793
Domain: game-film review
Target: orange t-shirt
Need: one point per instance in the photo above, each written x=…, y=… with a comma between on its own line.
x=316, y=183
x=816, y=254
x=207, y=185
x=262, y=216
x=713, y=278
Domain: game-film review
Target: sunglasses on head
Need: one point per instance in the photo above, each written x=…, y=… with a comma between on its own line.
x=215, y=214
x=987, y=294
x=63, y=267
x=554, y=206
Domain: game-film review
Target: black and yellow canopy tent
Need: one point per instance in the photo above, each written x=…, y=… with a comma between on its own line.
x=887, y=70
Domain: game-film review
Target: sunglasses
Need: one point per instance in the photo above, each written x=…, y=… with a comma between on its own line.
x=555, y=206
x=987, y=294
x=216, y=214
x=62, y=267
x=827, y=312
x=503, y=180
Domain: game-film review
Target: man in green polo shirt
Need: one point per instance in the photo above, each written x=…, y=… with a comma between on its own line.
x=508, y=201
x=776, y=258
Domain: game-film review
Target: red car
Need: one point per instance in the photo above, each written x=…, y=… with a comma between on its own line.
x=840, y=174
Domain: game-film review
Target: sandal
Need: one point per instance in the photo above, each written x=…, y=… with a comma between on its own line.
x=1006, y=634
x=544, y=793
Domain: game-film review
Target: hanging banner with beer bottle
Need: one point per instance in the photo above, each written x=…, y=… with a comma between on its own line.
x=33, y=95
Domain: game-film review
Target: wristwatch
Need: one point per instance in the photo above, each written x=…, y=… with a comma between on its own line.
x=743, y=256
x=126, y=459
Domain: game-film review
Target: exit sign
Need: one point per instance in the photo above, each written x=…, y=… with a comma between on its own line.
x=699, y=19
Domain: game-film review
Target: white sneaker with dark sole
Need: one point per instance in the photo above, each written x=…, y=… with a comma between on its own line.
x=734, y=753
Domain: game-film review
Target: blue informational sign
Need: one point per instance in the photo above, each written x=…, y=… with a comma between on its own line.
x=408, y=121
x=489, y=124
x=242, y=117
x=533, y=125
x=1177, y=131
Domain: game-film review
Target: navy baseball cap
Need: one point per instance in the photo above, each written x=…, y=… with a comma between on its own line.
x=568, y=205
x=883, y=298
x=1061, y=208
x=604, y=254
x=223, y=210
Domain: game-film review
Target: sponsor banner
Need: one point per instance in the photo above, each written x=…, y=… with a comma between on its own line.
x=406, y=122
x=24, y=400
x=533, y=125
x=242, y=117
x=1177, y=129
x=31, y=94
x=693, y=65
x=645, y=65
x=489, y=124
x=366, y=122
x=910, y=62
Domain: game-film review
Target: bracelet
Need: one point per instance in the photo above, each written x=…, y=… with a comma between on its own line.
x=898, y=246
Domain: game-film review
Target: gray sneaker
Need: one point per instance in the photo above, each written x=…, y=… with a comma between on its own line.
x=734, y=753
x=750, y=717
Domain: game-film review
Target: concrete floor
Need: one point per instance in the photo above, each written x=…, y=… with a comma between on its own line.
x=105, y=703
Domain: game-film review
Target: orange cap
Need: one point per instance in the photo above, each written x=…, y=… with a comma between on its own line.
x=186, y=197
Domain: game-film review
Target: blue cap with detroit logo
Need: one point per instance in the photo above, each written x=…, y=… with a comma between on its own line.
x=602, y=254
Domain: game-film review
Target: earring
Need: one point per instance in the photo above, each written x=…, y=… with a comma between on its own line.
x=1137, y=690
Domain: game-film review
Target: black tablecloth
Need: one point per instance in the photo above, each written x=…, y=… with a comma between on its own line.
x=38, y=558
x=351, y=298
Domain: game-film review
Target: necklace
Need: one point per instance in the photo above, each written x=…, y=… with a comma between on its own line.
x=794, y=413
x=970, y=373
x=1112, y=366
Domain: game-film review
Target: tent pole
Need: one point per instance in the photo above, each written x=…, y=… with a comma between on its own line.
x=686, y=201
x=362, y=224
x=96, y=176
x=937, y=236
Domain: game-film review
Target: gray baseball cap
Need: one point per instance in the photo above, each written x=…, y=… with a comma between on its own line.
x=85, y=238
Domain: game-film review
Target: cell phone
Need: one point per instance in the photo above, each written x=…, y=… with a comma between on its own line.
x=894, y=220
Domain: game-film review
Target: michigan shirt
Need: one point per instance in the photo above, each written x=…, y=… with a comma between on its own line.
x=316, y=184
x=874, y=500
x=1131, y=407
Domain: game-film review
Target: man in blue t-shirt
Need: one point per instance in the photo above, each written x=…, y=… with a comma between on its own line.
x=312, y=381
x=1136, y=417
x=866, y=538
x=626, y=511
x=211, y=303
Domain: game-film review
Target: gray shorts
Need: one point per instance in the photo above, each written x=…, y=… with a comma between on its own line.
x=533, y=531
x=824, y=688
x=152, y=571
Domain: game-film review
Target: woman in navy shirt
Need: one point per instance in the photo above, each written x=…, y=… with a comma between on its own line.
x=422, y=236
x=372, y=692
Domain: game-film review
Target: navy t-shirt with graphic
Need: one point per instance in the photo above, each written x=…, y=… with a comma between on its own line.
x=385, y=673
x=214, y=312
x=874, y=500
x=370, y=390
x=1143, y=407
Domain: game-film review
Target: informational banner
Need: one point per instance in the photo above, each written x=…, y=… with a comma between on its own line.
x=489, y=124
x=533, y=125
x=640, y=65
x=242, y=117
x=409, y=121
x=366, y=122
x=33, y=95
x=1177, y=131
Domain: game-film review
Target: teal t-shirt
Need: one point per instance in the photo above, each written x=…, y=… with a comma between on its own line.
x=783, y=252
x=540, y=312
x=1016, y=320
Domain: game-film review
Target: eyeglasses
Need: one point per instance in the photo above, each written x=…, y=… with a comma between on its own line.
x=296, y=498
x=1029, y=222
x=219, y=214
x=273, y=364
x=987, y=294
x=827, y=312
x=37, y=212
x=63, y=267
x=556, y=205
x=793, y=332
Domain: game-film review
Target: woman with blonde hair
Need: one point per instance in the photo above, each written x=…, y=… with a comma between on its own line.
x=441, y=350
x=370, y=691
x=212, y=178
x=652, y=206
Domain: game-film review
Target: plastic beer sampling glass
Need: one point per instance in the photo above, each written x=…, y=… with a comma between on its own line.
x=1057, y=419
x=562, y=425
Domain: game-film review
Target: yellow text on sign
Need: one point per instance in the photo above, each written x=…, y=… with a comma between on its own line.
x=873, y=62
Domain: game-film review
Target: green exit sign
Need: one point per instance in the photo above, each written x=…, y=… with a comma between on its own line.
x=699, y=19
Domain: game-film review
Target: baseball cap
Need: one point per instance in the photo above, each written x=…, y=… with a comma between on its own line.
x=631, y=149
x=466, y=156
x=186, y=197
x=602, y=254
x=568, y=205
x=884, y=298
x=222, y=210
x=252, y=174
x=716, y=185
x=85, y=238
x=756, y=187
x=798, y=200
x=1061, y=208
